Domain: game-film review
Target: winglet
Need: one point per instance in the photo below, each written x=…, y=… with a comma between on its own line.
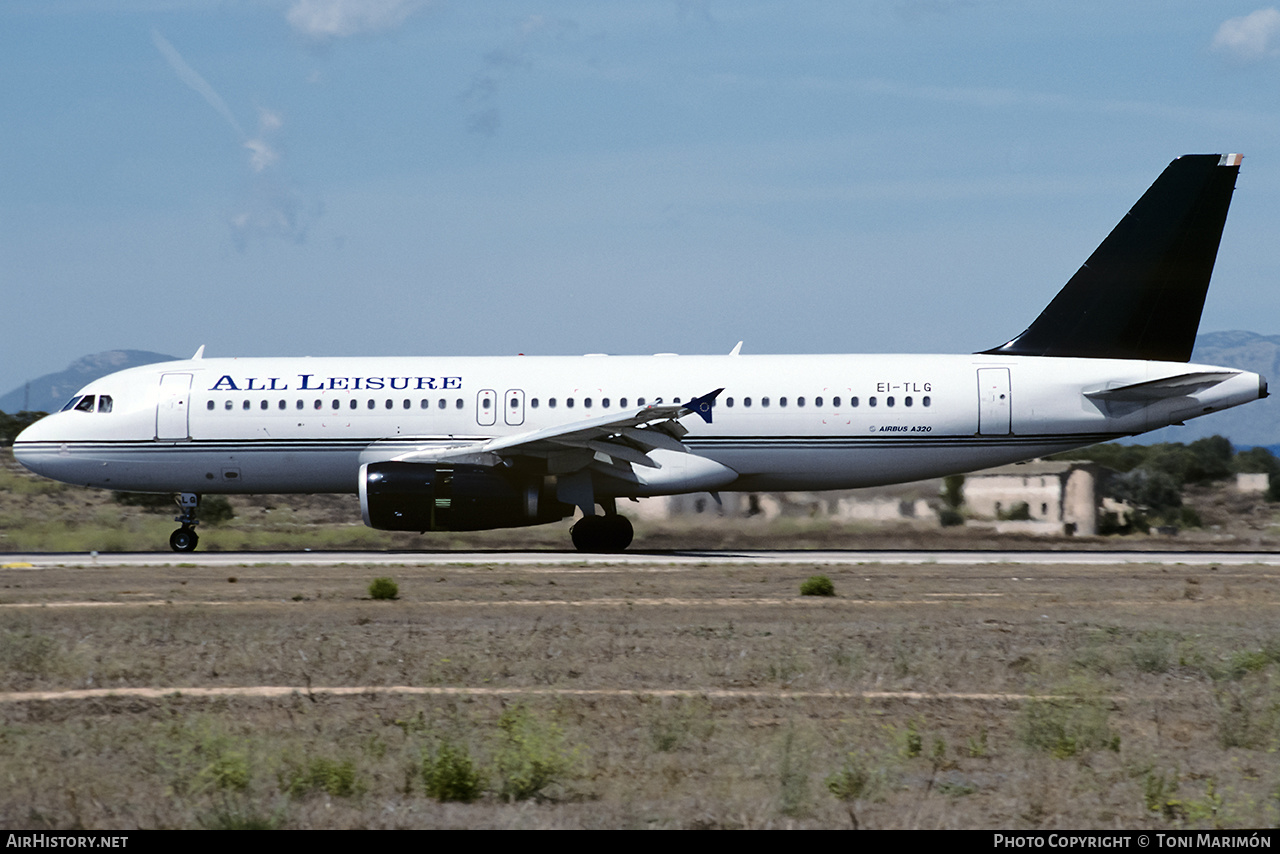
x=702, y=405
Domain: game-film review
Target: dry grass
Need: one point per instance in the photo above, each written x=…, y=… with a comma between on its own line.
x=652, y=696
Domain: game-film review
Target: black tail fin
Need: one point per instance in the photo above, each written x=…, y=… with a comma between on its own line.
x=1140, y=294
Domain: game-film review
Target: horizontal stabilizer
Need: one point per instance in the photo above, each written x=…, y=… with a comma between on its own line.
x=1182, y=385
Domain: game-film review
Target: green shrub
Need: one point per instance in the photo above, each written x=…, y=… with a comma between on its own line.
x=450, y=775
x=857, y=780
x=793, y=777
x=322, y=775
x=1068, y=726
x=155, y=502
x=383, y=588
x=215, y=509
x=229, y=771
x=817, y=585
x=949, y=518
x=953, y=490
x=531, y=755
x=1019, y=512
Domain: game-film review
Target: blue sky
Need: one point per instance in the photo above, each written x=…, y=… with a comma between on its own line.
x=393, y=177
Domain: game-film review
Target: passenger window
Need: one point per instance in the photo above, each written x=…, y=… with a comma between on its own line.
x=622, y=402
x=485, y=403
x=209, y=406
x=906, y=401
x=552, y=403
x=319, y=403
x=764, y=401
x=853, y=401
x=586, y=403
x=677, y=400
x=799, y=401
x=533, y=403
x=457, y=404
x=245, y=406
x=425, y=403
x=639, y=401
x=299, y=406
x=817, y=401
x=515, y=403
x=871, y=401
x=407, y=404
x=372, y=403
x=227, y=406
x=336, y=403
x=569, y=403
x=282, y=404
x=835, y=402
x=729, y=402
x=926, y=400
x=605, y=403
x=354, y=403
x=389, y=403
x=263, y=406
x=888, y=401
x=104, y=403
x=443, y=403
x=746, y=401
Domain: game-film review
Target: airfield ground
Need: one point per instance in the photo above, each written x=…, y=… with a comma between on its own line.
x=654, y=695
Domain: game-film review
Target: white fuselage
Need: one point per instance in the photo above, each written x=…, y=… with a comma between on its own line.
x=781, y=423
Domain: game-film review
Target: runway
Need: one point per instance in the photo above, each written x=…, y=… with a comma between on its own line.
x=643, y=558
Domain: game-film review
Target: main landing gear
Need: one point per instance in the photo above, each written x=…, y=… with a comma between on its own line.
x=609, y=533
x=185, y=539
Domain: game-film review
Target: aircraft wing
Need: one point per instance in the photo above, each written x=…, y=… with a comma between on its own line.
x=1181, y=385
x=612, y=440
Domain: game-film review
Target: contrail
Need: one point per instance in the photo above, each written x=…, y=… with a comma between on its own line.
x=193, y=79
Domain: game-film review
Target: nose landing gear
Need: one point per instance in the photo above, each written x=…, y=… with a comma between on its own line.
x=185, y=538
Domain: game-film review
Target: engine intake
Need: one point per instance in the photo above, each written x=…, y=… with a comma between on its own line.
x=398, y=496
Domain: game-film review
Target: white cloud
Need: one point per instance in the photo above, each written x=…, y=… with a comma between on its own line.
x=269, y=120
x=1251, y=37
x=193, y=79
x=324, y=19
x=261, y=155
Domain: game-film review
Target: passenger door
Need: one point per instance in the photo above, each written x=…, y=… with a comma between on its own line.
x=994, y=402
x=172, y=406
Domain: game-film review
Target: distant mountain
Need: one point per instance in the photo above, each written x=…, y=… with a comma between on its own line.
x=1256, y=423
x=51, y=391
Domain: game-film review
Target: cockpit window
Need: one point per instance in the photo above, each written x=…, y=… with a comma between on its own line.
x=70, y=404
x=104, y=403
x=85, y=404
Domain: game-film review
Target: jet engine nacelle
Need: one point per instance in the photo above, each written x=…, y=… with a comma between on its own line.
x=398, y=496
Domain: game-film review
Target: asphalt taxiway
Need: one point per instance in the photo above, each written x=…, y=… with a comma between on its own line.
x=641, y=558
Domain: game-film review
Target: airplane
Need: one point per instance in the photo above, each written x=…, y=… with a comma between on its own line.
x=461, y=443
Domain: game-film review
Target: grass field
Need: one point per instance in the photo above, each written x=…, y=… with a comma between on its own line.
x=575, y=696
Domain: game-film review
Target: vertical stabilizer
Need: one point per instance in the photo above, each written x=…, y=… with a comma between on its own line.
x=1140, y=294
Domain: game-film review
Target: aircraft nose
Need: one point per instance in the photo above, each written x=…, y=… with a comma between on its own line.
x=24, y=442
